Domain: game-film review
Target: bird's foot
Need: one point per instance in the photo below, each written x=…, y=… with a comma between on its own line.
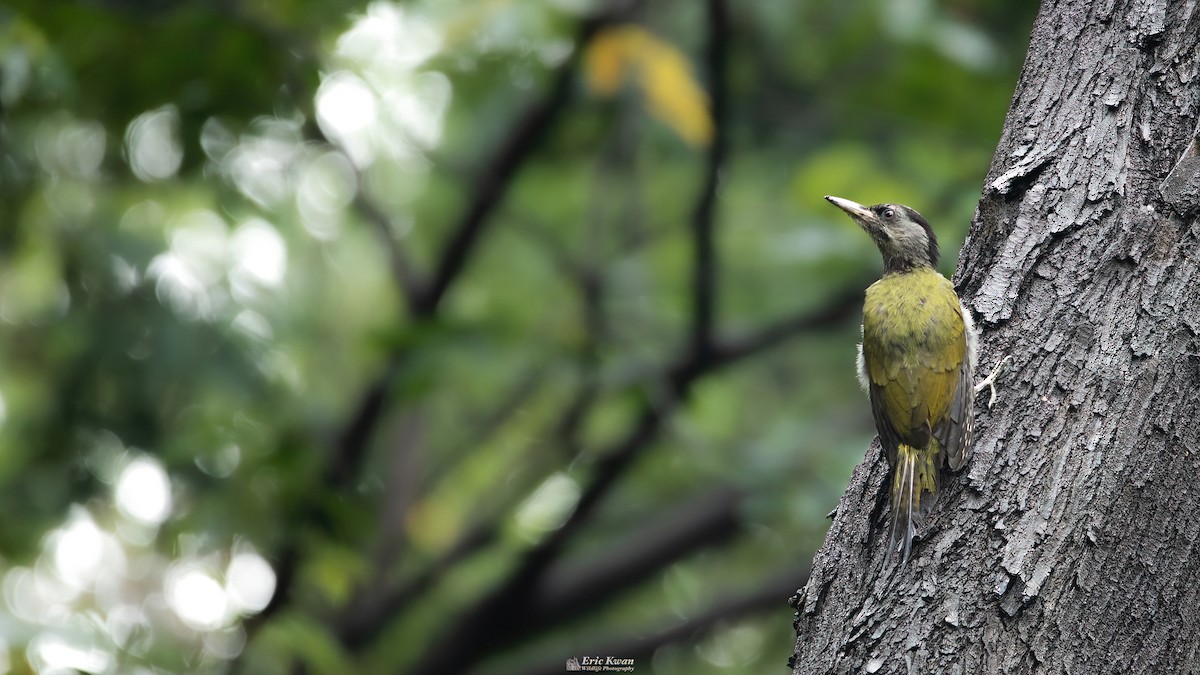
x=990, y=381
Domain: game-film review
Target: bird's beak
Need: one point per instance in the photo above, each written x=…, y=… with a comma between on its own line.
x=857, y=211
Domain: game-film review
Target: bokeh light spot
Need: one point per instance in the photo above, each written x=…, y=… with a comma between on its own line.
x=152, y=144
x=51, y=653
x=259, y=254
x=144, y=491
x=419, y=108
x=197, y=598
x=548, y=506
x=185, y=275
x=260, y=165
x=249, y=582
x=327, y=185
x=222, y=463
x=79, y=550
x=346, y=109
x=390, y=38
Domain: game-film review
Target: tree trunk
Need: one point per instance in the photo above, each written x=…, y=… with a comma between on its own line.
x=1069, y=543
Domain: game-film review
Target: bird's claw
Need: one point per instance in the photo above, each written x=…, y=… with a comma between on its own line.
x=990, y=380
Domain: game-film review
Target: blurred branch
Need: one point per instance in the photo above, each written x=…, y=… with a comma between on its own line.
x=704, y=264
x=572, y=590
x=401, y=489
x=617, y=160
x=360, y=626
x=350, y=448
x=491, y=185
x=595, y=325
x=569, y=591
x=843, y=306
x=145, y=8
x=367, y=615
x=493, y=182
x=425, y=298
x=770, y=594
x=673, y=386
x=514, y=398
x=405, y=276
x=476, y=632
x=369, y=611
x=380, y=607
x=370, y=606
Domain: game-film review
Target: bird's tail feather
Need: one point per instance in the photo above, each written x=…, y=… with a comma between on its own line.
x=914, y=492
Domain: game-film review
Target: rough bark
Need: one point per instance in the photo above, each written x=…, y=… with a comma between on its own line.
x=1069, y=544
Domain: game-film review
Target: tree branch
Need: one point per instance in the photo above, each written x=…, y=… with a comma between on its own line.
x=474, y=634
x=367, y=615
x=704, y=264
x=471, y=634
x=359, y=627
x=306, y=62
x=370, y=607
x=405, y=276
x=677, y=382
x=568, y=591
x=513, y=399
x=499, y=172
x=769, y=595
x=402, y=481
x=494, y=180
x=575, y=589
x=351, y=445
x=845, y=304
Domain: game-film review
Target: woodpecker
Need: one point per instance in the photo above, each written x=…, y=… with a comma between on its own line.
x=916, y=362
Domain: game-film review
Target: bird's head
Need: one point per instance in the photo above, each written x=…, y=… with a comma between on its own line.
x=902, y=235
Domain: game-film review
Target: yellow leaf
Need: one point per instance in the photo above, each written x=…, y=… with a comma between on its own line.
x=674, y=95
x=607, y=61
x=662, y=73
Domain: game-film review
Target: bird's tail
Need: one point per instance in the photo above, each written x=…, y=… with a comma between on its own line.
x=914, y=492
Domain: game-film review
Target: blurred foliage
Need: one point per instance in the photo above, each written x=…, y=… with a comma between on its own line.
x=663, y=75
x=193, y=300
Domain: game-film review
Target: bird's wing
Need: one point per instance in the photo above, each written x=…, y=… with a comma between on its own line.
x=889, y=437
x=955, y=430
x=914, y=393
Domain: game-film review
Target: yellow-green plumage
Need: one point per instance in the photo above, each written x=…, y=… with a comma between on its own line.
x=913, y=346
x=915, y=361
x=914, y=349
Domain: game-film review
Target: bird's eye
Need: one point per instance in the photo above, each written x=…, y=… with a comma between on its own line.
x=889, y=213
